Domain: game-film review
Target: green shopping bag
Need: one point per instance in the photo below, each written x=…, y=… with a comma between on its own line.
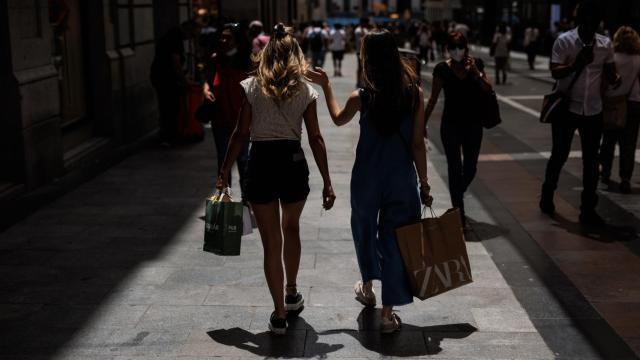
x=223, y=224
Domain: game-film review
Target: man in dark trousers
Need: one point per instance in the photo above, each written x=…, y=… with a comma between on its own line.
x=168, y=77
x=589, y=56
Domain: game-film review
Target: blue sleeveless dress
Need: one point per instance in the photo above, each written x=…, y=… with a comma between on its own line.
x=384, y=196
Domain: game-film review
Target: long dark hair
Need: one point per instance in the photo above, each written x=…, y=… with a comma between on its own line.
x=389, y=81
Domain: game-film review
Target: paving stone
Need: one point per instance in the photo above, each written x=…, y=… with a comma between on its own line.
x=202, y=317
x=166, y=294
x=487, y=345
x=243, y=295
x=502, y=320
x=95, y=317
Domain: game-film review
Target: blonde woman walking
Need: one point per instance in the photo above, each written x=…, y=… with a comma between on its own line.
x=276, y=102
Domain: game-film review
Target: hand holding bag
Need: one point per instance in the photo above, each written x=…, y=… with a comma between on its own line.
x=434, y=254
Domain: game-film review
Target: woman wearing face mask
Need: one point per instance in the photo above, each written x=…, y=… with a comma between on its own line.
x=463, y=80
x=228, y=67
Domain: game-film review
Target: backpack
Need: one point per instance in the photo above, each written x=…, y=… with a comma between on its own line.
x=315, y=41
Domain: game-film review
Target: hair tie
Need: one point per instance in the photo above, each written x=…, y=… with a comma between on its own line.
x=280, y=31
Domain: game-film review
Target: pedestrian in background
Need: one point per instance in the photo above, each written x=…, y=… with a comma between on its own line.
x=463, y=80
x=531, y=44
x=391, y=148
x=318, y=41
x=626, y=43
x=337, y=42
x=589, y=57
x=227, y=69
x=276, y=101
x=169, y=79
x=258, y=38
x=424, y=42
x=500, y=52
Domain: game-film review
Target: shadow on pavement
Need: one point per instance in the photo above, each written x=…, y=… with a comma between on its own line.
x=606, y=234
x=483, y=231
x=296, y=343
x=408, y=342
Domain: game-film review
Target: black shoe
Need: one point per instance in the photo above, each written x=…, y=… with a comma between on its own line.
x=546, y=205
x=591, y=218
x=625, y=187
x=277, y=325
x=294, y=304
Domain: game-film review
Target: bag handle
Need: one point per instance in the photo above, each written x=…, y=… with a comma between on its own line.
x=222, y=195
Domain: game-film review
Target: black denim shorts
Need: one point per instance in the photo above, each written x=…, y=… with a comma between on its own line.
x=277, y=170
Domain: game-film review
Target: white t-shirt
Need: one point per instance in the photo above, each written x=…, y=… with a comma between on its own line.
x=337, y=40
x=629, y=69
x=270, y=121
x=586, y=95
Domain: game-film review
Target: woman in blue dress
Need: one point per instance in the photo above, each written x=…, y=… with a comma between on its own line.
x=384, y=185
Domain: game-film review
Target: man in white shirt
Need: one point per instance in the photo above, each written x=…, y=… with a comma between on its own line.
x=337, y=42
x=580, y=51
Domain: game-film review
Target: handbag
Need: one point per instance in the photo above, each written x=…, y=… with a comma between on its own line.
x=491, y=117
x=556, y=105
x=434, y=254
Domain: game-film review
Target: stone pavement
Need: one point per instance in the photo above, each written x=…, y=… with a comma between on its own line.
x=115, y=270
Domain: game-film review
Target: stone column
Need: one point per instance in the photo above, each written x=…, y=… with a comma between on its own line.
x=37, y=80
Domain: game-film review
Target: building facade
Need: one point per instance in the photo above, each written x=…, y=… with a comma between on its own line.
x=75, y=86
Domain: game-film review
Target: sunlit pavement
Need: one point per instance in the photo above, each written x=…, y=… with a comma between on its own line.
x=115, y=270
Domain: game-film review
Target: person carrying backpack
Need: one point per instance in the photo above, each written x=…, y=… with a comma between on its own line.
x=318, y=39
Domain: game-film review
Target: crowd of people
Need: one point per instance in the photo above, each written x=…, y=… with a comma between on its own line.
x=257, y=87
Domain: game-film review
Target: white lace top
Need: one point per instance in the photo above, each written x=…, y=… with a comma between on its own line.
x=272, y=122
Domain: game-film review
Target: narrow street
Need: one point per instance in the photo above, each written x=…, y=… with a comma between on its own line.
x=115, y=268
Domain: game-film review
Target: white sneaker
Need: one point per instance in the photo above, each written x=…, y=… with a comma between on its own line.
x=389, y=326
x=365, y=297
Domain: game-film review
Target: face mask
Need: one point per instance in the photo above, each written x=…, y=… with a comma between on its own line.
x=231, y=52
x=457, y=54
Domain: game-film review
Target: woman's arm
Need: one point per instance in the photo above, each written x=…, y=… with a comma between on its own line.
x=238, y=139
x=339, y=116
x=436, y=87
x=420, y=151
x=319, y=153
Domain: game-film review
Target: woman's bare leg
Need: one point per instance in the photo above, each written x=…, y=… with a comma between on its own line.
x=268, y=219
x=291, y=231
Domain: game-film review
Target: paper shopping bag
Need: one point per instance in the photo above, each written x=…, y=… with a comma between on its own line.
x=247, y=224
x=223, y=225
x=435, y=254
